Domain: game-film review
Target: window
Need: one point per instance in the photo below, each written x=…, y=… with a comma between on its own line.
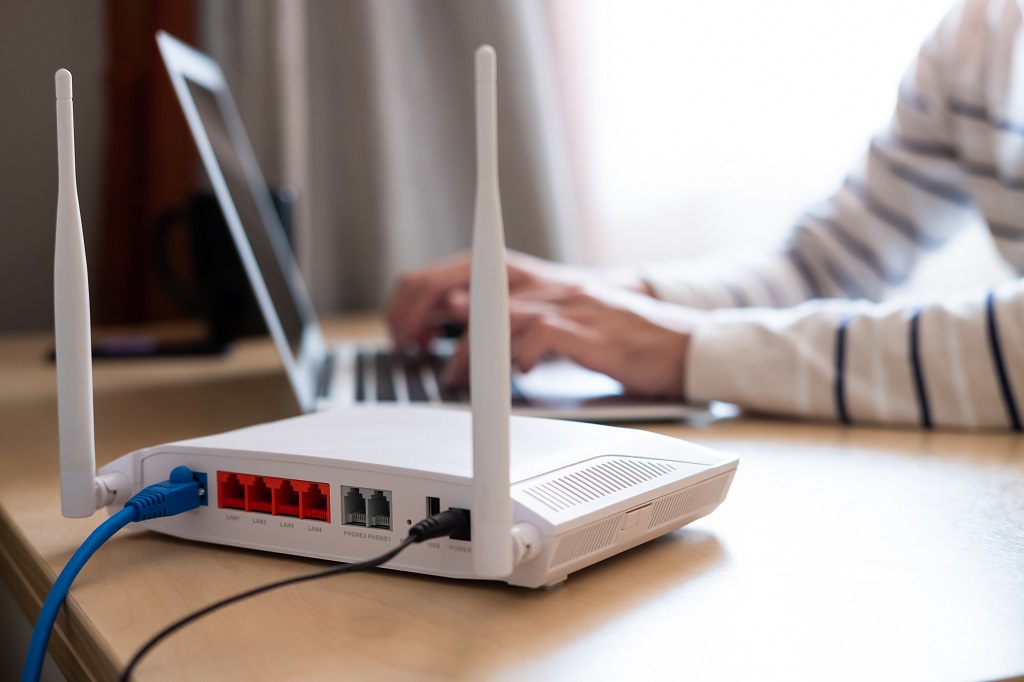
x=701, y=126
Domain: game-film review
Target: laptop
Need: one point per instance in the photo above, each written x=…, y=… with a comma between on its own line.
x=323, y=374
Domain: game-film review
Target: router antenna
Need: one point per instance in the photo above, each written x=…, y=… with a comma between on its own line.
x=490, y=381
x=82, y=493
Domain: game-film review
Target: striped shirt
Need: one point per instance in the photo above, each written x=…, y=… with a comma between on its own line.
x=802, y=332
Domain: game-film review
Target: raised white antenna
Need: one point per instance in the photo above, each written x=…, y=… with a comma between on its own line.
x=489, y=368
x=81, y=492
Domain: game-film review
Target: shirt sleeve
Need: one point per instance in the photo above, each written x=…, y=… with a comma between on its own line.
x=955, y=362
x=958, y=362
x=906, y=197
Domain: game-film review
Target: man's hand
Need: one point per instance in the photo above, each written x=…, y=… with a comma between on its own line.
x=636, y=340
x=425, y=299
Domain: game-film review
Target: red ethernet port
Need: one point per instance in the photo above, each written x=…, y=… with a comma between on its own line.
x=276, y=496
x=286, y=498
x=230, y=492
x=257, y=494
x=314, y=500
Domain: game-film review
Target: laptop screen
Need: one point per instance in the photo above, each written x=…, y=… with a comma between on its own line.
x=262, y=226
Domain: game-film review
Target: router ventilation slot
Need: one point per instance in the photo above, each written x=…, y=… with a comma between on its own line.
x=586, y=540
x=669, y=509
x=674, y=507
x=597, y=481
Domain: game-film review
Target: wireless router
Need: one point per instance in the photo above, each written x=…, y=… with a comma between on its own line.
x=545, y=497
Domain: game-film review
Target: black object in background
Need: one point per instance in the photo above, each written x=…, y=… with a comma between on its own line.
x=213, y=287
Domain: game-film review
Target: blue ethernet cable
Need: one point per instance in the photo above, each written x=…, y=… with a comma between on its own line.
x=180, y=493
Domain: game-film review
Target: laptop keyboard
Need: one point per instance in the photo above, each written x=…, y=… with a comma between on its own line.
x=411, y=365
x=383, y=376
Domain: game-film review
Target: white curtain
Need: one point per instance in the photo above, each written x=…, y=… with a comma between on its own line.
x=367, y=107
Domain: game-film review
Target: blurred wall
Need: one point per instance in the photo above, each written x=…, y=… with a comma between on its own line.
x=36, y=39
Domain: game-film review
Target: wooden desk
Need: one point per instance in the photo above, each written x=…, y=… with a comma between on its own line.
x=841, y=553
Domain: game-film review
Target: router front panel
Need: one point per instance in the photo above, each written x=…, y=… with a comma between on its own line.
x=335, y=509
x=327, y=511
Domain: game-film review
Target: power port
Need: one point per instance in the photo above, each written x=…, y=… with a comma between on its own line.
x=466, y=534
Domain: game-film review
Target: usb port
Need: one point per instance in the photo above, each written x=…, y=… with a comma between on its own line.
x=433, y=506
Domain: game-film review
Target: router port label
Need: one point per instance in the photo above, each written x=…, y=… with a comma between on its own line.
x=366, y=536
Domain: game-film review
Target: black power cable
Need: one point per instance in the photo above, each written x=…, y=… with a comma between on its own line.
x=439, y=525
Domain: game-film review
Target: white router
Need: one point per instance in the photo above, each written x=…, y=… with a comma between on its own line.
x=546, y=497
